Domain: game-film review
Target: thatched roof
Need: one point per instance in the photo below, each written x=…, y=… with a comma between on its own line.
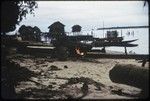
x=56, y=24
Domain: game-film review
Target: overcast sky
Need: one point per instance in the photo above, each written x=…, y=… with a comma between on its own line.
x=88, y=14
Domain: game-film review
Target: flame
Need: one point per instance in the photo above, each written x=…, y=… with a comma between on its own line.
x=78, y=51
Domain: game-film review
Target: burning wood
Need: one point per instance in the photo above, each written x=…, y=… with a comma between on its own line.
x=79, y=52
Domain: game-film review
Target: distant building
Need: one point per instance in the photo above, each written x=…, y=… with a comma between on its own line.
x=45, y=37
x=112, y=34
x=57, y=29
x=76, y=29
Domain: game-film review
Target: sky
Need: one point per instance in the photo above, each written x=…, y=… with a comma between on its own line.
x=88, y=14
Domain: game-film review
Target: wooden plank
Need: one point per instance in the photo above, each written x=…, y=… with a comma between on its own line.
x=40, y=47
x=119, y=44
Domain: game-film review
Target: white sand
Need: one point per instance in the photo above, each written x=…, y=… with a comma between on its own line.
x=96, y=70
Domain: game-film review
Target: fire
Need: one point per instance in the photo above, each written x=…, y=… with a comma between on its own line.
x=79, y=52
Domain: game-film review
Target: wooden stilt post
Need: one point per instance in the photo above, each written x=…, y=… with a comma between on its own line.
x=125, y=50
x=121, y=33
x=103, y=50
x=143, y=62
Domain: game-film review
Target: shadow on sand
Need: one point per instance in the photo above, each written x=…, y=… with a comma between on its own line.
x=11, y=75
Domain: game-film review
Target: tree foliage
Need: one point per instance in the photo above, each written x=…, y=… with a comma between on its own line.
x=30, y=33
x=12, y=13
x=76, y=28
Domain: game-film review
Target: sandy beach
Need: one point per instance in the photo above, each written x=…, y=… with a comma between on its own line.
x=53, y=79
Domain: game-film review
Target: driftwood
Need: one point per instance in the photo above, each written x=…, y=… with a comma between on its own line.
x=131, y=75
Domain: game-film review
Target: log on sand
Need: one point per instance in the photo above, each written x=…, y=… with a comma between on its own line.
x=131, y=75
